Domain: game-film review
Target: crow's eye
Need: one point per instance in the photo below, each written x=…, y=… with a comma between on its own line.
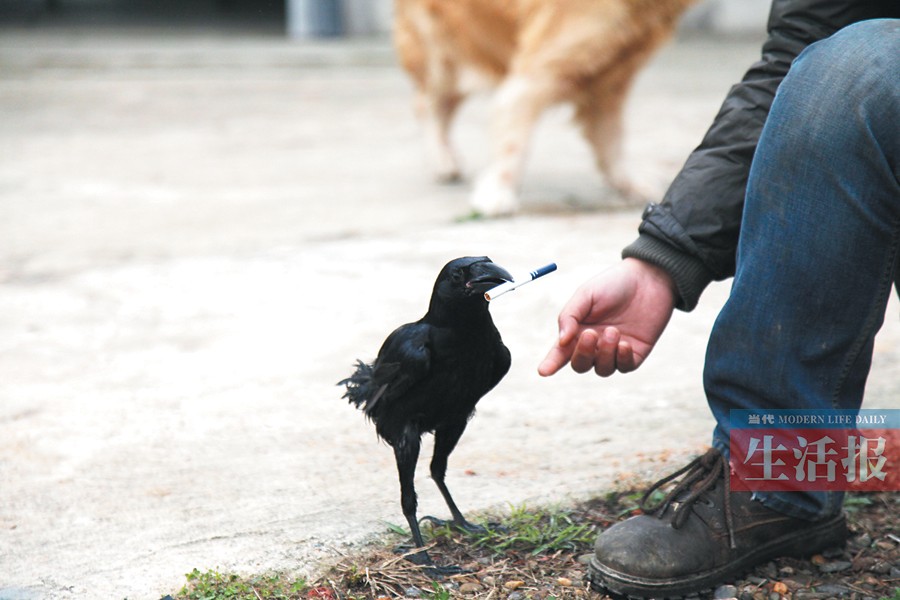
x=457, y=277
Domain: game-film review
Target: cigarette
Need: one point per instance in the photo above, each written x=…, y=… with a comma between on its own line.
x=511, y=285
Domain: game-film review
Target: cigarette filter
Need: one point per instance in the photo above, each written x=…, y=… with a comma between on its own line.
x=518, y=282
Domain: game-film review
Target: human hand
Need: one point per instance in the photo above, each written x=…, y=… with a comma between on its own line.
x=613, y=320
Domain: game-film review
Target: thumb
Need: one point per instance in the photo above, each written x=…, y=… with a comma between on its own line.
x=568, y=329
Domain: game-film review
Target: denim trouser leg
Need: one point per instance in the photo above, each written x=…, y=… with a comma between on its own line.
x=819, y=242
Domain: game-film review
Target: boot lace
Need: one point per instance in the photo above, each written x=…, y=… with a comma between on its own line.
x=700, y=476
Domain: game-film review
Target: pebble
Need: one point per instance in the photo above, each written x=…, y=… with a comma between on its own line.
x=516, y=596
x=864, y=540
x=895, y=573
x=774, y=596
x=413, y=592
x=786, y=570
x=881, y=567
x=585, y=559
x=514, y=584
x=470, y=588
x=835, y=567
x=725, y=591
x=488, y=580
x=564, y=581
x=780, y=588
x=830, y=589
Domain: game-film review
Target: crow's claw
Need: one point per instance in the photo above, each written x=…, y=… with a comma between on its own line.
x=435, y=521
x=422, y=559
x=436, y=572
x=463, y=525
x=494, y=526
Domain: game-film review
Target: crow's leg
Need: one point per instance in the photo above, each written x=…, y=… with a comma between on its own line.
x=445, y=440
x=406, y=452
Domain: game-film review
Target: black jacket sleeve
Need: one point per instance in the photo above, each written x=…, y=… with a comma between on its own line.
x=693, y=233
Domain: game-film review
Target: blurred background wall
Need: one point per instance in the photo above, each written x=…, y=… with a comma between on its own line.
x=302, y=18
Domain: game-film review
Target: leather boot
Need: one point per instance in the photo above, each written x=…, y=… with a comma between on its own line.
x=700, y=536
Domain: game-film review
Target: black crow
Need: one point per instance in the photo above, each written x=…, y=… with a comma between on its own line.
x=429, y=375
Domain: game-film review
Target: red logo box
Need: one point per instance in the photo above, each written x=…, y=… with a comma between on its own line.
x=827, y=459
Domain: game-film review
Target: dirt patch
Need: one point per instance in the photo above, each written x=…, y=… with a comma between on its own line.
x=868, y=567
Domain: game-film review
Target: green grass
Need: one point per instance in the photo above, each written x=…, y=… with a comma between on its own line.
x=213, y=585
x=524, y=530
x=439, y=592
x=528, y=530
x=853, y=502
x=473, y=215
x=532, y=544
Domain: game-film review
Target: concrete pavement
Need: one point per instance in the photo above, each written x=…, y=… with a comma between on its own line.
x=199, y=234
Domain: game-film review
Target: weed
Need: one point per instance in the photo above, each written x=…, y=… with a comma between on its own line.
x=853, y=502
x=439, y=593
x=536, y=548
x=474, y=215
x=533, y=531
x=213, y=585
x=397, y=529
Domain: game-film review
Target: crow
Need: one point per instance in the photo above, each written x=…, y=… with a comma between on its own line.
x=428, y=377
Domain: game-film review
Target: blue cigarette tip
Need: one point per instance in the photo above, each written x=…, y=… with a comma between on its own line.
x=543, y=270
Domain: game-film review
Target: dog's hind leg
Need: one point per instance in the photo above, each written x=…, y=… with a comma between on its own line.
x=600, y=115
x=418, y=38
x=436, y=109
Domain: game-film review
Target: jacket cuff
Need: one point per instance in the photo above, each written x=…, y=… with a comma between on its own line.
x=690, y=275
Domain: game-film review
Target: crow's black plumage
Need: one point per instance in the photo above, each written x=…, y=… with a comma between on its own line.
x=429, y=375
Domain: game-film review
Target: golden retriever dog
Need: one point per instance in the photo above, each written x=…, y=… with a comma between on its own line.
x=537, y=53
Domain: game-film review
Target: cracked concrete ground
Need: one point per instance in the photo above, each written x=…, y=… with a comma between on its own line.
x=200, y=233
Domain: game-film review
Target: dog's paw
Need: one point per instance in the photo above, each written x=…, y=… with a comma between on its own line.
x=448, y=175
x=493, y=197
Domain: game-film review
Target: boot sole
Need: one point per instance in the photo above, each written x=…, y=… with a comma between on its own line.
x=827, y=534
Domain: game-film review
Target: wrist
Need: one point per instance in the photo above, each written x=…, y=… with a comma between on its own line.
x=688, y=275
x=655, y=276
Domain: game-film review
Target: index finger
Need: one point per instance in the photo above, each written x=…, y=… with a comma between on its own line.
x=556, y=359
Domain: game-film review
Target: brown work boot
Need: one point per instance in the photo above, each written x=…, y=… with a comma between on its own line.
x=700, y=536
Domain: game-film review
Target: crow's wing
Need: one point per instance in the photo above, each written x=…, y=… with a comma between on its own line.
x=403, y=361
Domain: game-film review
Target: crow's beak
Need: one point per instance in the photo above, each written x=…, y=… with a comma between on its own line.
x=486, y=275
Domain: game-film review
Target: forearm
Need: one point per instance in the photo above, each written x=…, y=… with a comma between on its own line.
x=693, y=233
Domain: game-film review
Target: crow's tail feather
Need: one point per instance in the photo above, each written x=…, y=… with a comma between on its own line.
x=359, y=385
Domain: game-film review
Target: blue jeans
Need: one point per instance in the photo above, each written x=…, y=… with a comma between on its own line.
x=819, y=243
